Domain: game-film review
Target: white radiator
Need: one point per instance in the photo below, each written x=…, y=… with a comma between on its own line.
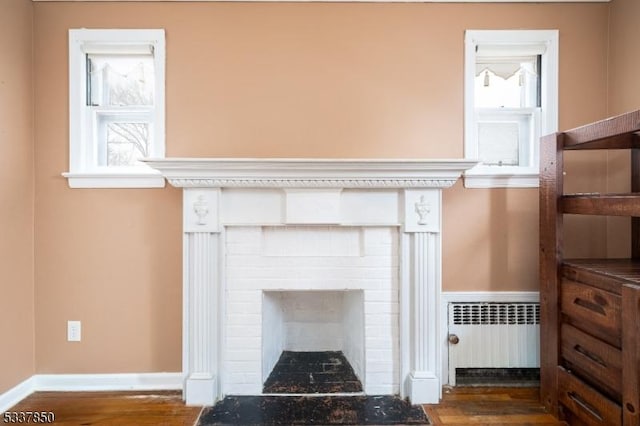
x=493, y=335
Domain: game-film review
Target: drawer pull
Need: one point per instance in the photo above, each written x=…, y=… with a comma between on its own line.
x=585, y=405
x=593, y=357
x=587, y=304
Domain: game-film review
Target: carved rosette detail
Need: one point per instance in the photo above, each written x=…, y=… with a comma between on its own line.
x=311, y=183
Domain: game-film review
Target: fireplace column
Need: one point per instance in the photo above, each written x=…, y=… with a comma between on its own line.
x=422, y=211
x=201, y=266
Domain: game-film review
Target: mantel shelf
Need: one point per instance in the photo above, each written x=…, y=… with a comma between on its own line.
x=310, y=172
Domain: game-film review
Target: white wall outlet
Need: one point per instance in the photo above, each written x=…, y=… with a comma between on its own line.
x=74, y=331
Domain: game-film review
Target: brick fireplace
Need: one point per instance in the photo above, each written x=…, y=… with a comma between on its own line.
x=311, y=254
x=311, y=288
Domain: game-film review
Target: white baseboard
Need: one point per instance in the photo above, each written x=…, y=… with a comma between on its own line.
x=474, y=296
x=91, y=382
x=16, y=394
x=108, y=382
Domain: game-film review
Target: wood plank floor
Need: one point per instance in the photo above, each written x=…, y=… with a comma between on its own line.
x=112, y=408
x=490, y=406
x=459, y=406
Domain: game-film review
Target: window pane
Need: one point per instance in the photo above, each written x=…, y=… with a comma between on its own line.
x=126, y=143
x=506, y=82
x=504, y=135
x=120, y=80
x=498, y=143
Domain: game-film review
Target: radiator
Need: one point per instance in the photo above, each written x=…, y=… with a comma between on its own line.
x=493, y=335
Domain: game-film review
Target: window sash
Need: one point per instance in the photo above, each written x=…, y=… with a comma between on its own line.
x=103, y=117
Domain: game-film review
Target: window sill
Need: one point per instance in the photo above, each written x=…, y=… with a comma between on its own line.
x=501, y=177
x=110, y=179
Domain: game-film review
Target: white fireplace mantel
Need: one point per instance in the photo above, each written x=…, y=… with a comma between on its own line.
x=309, y=173
x=224, y=192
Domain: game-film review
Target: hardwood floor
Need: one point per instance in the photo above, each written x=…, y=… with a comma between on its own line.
x=459, y=406
x=490, y=406
x=112, y=408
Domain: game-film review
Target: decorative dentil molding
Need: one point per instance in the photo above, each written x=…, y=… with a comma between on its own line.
x=310, y=183
x=309, y=173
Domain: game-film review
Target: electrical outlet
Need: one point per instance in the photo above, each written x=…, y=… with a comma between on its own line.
x=74, y=331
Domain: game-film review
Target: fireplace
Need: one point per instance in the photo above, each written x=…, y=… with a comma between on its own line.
x=305, y=255
x=311, y=288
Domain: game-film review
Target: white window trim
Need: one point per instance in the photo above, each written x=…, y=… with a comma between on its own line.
x=84, y=171
x=483, y=176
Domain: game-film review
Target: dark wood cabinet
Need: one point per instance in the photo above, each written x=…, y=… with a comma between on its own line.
x=590, y=308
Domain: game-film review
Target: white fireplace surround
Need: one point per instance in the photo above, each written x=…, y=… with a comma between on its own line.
x=225, y=194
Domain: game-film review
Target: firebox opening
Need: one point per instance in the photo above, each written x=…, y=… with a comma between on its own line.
x=313, y=337
x=312, y=372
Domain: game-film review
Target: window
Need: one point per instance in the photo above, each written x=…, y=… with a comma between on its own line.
x=511, y=100
x=116, y=107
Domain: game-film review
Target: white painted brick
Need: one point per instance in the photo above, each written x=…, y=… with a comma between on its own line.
x=311, y=241
x=379, y=251
x=245, y=354
x=388, y=295
x=244, y=378
x=237, y=366
x=241, y=307
x=379, y=235
x=243, y=234
x=242, y=341
x=244, y=319
x=242, y=250
x=289, y=263
x=383, y=320
x=387, y=378
x=236, y=330
x=382, y=367
x=381, y=308
x=251, y=272
x=244, y=296
x=373, y=355
x=380, y=343
x=376, y=331
x=248, y=273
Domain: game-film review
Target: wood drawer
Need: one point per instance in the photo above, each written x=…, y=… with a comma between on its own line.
x=592, y=359
x=592, y=309
x=586, y=403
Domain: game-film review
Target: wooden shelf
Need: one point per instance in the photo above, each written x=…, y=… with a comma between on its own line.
x=623, y=271
x=602, y=204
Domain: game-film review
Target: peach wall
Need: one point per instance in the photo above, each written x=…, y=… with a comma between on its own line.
x=276, y=79
x=16, y=193
x=624, y=61
x=623, y=96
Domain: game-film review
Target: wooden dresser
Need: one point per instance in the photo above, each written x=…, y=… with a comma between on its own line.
x=590, y=308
